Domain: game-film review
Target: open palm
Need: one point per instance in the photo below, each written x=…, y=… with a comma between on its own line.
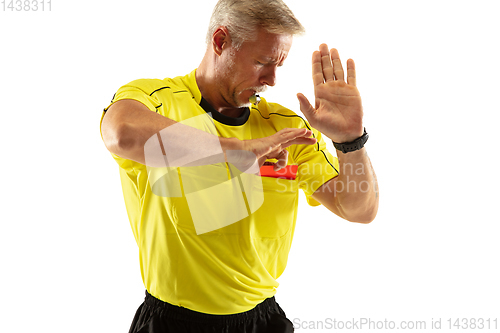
x=338, y=112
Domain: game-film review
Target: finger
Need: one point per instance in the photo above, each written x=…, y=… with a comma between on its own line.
x=300, y=141
x=306, y=107
x=261, y=161
x=326, y=63
x=351, y=72
x=287, y=135
x=338, y=71
x=282, y=160
x=317, y=70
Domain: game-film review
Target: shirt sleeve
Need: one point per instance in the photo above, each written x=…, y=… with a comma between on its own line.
x=316, y=166
x=133, y=90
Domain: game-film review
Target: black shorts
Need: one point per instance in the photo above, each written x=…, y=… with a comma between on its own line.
x=155, y=316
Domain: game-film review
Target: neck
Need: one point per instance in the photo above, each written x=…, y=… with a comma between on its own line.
x=207, y=83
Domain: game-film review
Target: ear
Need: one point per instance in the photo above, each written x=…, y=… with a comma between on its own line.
x=220, y=40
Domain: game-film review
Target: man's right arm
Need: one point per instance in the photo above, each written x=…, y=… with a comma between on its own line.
x=128, y=125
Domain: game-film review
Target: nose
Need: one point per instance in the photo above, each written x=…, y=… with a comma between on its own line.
x=268, y=77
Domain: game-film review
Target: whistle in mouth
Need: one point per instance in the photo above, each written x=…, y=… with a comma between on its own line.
x=255, y=99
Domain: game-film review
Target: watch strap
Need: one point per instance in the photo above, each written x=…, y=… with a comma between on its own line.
x=348, y=147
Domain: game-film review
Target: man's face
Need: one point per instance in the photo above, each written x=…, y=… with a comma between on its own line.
x=252, y=68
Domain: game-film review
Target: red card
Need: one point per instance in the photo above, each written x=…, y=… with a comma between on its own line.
x=288, y=172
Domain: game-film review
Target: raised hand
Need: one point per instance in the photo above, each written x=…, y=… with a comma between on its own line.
x=338, y=112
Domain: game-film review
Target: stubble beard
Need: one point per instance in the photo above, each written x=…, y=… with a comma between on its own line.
x=232, y=97
x=231, y=94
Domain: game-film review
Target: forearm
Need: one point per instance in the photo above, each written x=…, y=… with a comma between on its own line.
x=132, y=131
x=356, y=190
x=180, y=145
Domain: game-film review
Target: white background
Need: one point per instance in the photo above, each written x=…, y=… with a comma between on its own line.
x=427, y=73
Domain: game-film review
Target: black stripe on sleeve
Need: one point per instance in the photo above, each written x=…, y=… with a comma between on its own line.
x=112, y=99
x=166, y=87
x=159, y=90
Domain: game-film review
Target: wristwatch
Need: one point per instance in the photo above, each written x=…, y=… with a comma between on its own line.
x=348, y=147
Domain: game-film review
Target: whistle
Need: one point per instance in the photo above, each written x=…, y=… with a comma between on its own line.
x=255, y=99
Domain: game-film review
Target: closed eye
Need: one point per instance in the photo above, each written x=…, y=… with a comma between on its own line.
x=268, y=64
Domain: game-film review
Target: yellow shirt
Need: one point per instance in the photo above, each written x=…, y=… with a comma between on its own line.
x=232, y=267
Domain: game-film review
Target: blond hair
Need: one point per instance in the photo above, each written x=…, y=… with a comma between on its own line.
x=242, y=18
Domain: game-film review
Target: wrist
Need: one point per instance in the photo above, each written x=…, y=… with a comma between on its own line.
x=351, y=146
x=349, y=137
x=230, y=144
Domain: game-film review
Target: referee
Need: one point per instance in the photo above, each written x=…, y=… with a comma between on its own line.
x=211, y=172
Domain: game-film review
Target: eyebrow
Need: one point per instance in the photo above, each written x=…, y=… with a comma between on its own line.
x=271, y=60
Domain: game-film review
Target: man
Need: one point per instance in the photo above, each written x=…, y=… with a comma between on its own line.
x=211, y=180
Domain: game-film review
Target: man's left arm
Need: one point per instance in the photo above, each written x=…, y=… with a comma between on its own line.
x=338, y=114
x=353, y=194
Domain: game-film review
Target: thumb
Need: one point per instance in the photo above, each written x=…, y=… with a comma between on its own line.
x=306, y=107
